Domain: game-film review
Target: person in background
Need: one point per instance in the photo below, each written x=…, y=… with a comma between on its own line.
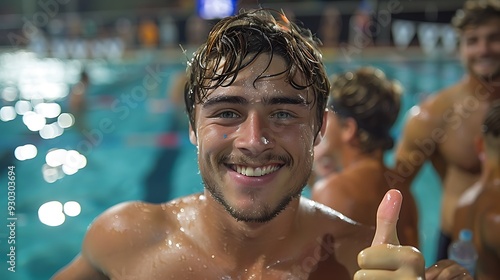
x=250, y=92
x=442, y=128
x=362, y=109
x=478, y=208
x=158, y=180
x=78, y=101
x=148, y=35
x=330, y=26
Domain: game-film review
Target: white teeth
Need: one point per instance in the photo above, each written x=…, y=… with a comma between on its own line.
x=256, y=172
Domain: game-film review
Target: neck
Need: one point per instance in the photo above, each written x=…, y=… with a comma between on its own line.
x=353, y=155
x=486, y=89
x=244, y=242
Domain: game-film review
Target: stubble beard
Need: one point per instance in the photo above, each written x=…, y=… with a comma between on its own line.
x=265, y=213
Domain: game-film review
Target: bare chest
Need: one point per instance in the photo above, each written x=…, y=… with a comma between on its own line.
x=315, y=261
x=462, y=125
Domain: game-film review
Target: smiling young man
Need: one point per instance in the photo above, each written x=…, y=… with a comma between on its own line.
x=442, y=129
x=255, y=96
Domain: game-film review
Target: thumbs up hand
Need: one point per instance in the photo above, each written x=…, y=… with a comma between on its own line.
x=386, y=258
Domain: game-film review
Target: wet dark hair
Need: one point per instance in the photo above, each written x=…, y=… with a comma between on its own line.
x=476, y=12
x=236, y=41
x=372, y=100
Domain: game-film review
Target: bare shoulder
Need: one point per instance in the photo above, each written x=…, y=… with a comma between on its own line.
x=426, y=120
x=129, y=227
x=123, y=227
x=329, y=188
x=333, y=222
x=343, y=237
x=430, y=111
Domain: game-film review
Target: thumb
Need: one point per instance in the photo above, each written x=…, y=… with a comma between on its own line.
x=387, y=218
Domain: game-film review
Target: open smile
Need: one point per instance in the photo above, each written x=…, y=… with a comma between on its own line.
x=250, y=171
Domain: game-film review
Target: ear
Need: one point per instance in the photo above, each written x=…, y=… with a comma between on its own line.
x=479, y=146
x=322, y=129
x=349, y=129
x=192, y=136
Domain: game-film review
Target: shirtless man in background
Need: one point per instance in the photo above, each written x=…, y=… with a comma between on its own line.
x=362, y=109
x=442, y=129
x=478, y=208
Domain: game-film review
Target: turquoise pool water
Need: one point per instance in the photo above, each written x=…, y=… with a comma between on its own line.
x=127, y=123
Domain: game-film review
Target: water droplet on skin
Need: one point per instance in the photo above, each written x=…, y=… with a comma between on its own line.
x=190, y=269
x=182, y=258
x=178, y=245
x=205, y=266
x=213, y=256
x=271, y=265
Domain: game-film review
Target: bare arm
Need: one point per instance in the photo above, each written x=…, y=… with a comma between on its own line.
x=418, y=144
x=334, y=193
x=107, y=243
x=79, y=269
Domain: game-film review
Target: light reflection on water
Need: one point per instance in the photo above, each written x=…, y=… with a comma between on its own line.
x=33, y=88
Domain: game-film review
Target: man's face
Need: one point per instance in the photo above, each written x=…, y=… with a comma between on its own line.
x=255, y=141
x=326, y=153
x=480, y=49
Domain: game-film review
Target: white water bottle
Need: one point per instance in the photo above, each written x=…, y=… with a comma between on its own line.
x=463, y=251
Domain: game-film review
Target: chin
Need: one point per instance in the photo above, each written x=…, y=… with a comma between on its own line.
x=486, y=74
x=261, y=211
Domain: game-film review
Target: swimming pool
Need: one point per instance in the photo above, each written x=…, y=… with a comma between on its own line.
x=128, y=123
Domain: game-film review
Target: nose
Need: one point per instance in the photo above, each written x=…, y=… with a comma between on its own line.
x=254, y=135
x=484, y=47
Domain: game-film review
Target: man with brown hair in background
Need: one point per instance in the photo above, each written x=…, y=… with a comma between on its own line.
x=363, y=106
x=442, y=128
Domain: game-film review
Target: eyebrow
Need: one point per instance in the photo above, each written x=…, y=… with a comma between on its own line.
x=224, y=99
x=243, y=101
x=285, y=100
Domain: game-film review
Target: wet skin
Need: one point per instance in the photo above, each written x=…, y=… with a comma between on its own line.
x=255, y=143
